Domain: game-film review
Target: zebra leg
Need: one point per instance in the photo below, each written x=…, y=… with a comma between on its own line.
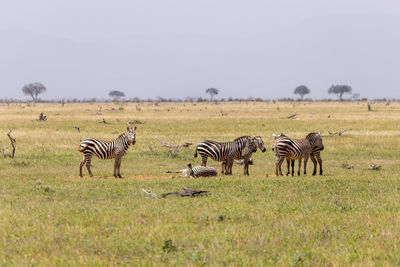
x=292, y=167
x=88, y=160
x=305, y=164
x=320, y=163
x=228, y=166
x=246, y=166
x=314, y=161
x=298, y=172
x=288, y=166
x=119, y=167
x=277, y=159
x=81, y=165
x=280, y=165
x=117, y=164
x=203, y=161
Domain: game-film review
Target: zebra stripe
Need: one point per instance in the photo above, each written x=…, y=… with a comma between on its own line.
x=248, y=150
x=288, y=148
x=219, y=151
x=315, y=140
x=316, y=145
x=106, y=150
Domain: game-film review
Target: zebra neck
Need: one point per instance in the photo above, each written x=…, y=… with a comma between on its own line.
x=123, y=139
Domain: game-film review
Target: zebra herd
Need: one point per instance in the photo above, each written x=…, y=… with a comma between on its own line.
x=241, y=148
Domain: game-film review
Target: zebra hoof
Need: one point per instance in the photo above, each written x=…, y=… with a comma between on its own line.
x=314, y=173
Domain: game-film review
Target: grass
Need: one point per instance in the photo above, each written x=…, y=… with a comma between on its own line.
x=49, y=216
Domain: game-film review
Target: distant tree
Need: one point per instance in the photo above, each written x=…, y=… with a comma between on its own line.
x=340, y=90
x=301, y=90
x=212, y=92
x=355, y=96
x=116, y=94
x=33, y=90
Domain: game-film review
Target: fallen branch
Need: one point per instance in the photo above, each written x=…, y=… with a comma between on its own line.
x=41, y=117
x=338, y=133
x=348, y=166
x=187, y=192
x=135, y=122
x=104, y=121
x=77, y=128
x=292, y=116
x=98, y=111
x=374, y=167
x=173, y=148
x=13, y=147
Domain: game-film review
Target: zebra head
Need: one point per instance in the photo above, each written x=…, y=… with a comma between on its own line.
x=276, y=137
x=131, y=135
x=315, y=140
x=260, y=143
x=252, y=144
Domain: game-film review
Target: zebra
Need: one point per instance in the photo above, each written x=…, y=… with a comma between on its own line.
x=107, y=150
x=247, y=151
x=317, y=146
x=198, y=171
x=281, y=135
x=315, y=140
x=219, y=151
x=288, y=148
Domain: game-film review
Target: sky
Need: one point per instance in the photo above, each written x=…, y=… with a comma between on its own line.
x=179, y=48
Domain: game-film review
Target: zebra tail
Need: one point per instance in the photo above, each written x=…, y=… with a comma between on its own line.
x=195, y=153
x=81, y=149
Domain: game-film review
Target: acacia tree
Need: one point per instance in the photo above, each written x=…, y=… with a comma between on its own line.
x=301, y=90
x=355, y=96
x=116, y=94
x=212, y=92
x=340, y=89
x=33, y=90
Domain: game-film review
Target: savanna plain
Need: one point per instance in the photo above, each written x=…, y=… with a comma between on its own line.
x=50, y=216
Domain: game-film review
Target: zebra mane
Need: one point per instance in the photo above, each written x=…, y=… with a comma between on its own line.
x=312, y=134
x=122, y=134
x=241, y=138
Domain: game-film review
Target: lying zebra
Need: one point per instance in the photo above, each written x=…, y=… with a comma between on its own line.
x=107, y=150
x=220, y=151
x=198, y=171
x=249, y=148
x=292, y=149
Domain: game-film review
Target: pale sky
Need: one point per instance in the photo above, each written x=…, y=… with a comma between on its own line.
x=259, y=48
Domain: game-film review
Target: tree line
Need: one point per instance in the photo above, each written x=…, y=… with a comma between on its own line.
x=35, y=89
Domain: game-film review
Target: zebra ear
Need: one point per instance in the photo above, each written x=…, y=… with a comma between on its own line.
x=134, y=128
x=128, y=128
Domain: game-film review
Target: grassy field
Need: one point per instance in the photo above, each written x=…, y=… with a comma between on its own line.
x=49, y=216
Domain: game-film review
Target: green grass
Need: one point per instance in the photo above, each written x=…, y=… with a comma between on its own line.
x=50, y=216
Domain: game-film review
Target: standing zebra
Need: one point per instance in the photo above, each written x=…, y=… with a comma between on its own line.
x=219, y=151
x=107, y=150
x=312, y=141
x=317, y=146
x=288, y=148
x=247, y=151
